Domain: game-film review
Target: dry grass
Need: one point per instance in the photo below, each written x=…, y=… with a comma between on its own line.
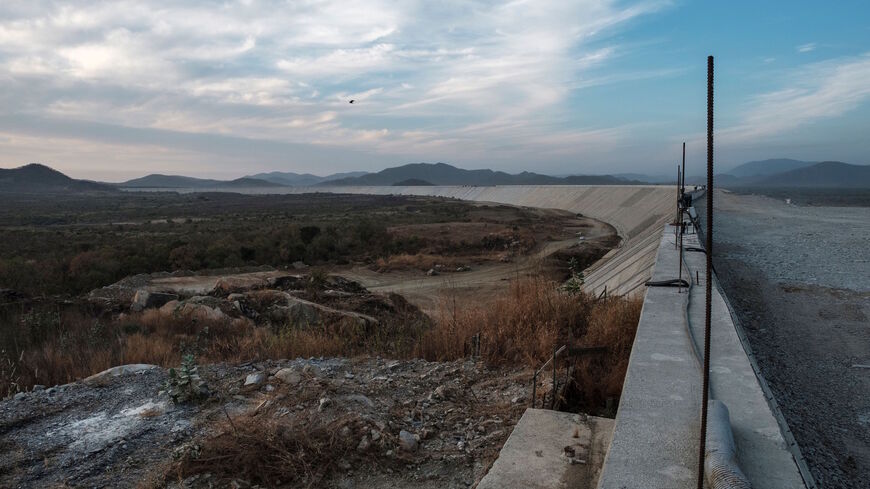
x=299, y=452
x=422, y=261
x=522, y=327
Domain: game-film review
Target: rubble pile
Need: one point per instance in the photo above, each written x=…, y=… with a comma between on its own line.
x=414, y=423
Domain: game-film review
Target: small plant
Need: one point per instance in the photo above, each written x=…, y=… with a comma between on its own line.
x=574, y=285
x=574, y=266
x=185, y=384
x=317, y=279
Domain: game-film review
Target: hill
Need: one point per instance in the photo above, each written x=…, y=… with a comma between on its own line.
x=825, y=174
x=444, y=174
x=413, y=182
x=176, y=181
x=304, y=179
x=37, y=178
x=768, y=167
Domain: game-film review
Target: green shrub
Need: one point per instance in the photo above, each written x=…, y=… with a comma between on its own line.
x=185, y=384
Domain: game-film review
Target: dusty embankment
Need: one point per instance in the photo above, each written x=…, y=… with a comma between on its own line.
x=558, y=240
x=799, y=279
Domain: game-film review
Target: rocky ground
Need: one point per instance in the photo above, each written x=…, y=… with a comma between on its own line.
x=799, y=280
x=402, y=424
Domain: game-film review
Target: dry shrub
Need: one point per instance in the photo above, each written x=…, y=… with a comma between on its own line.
x=534, y=318
x=295, y=452
x=521, y=327
x=418, y=261
x=598, y=377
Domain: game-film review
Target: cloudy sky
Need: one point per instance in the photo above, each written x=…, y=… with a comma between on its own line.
x=115, y=90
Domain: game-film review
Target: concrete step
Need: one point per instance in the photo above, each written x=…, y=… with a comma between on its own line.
x=534, y=457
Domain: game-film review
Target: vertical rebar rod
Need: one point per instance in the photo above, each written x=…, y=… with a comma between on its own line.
x=677, y=219
x=683, y=185
x=708, y=232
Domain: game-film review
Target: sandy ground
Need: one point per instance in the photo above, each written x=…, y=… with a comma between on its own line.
x=799, y=279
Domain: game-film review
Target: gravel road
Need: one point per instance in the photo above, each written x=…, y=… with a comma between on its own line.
x=799, y=279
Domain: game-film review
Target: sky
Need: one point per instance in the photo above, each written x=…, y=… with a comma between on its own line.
x=116, y=90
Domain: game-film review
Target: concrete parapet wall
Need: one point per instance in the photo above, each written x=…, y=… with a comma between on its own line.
x=657, y=431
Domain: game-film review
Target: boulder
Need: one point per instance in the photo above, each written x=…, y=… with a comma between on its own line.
x=407, y=441
x=255, y=378
x=145, y=299
x=289, y=376
x=118, y=371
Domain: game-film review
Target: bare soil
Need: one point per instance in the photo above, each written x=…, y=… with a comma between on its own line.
x=520, y=242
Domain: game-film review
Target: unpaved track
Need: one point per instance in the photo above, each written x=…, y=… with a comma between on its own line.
x=799, y=280
x=480, y=284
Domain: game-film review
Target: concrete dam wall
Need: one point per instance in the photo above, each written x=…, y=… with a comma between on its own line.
x=637, y=212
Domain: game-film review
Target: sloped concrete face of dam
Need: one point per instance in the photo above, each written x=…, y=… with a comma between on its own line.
x=637, y=212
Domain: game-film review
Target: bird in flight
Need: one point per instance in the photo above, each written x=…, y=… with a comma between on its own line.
x=351, y=101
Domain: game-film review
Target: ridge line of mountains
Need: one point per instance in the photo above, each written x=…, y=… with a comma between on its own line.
x=35, y=178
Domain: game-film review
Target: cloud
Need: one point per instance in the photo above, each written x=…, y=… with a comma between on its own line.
x=818, y=91
x=435, y=80
x=805, y=48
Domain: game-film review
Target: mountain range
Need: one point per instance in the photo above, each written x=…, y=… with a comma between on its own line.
x=792, y=173
x=156, y=180
x=444, y=174
x=291, y=179
x=37, y=178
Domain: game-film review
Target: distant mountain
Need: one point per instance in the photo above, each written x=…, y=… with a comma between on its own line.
x=176, y=181
x=444, y=174
x=768, y=167
x=302, y=180
x=37, y=178
x=824, y=174
x=642, y=177
x=413, y=182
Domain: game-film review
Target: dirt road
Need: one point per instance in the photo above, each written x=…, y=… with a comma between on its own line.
x=799, y=279
x=483, y=282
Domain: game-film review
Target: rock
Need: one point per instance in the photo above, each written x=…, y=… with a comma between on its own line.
x=312, y=370
x=118, y=371
x=289, y=376
x=20, y=395
x=407, y=441
x=143, y=299
x=431, y=272
x=442, y=392
x=325, y=402
x=298, y=265
x=37, y=388
x=518, y=399
x=255, y=378
x=364, y=444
